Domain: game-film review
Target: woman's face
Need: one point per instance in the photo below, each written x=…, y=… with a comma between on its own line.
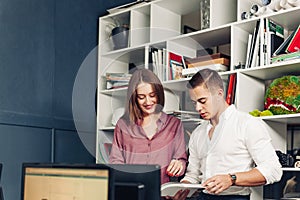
x=146, y=98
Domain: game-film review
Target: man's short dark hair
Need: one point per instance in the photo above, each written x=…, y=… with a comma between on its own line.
x=207, y=77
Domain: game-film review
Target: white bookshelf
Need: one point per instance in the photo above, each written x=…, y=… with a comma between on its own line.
x=160, y=24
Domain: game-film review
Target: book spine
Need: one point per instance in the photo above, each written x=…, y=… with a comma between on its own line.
x=230, y=89
x=262, y=43
x=147, y=57
x=253, y=44
x=285, y=57
x=164, y=60
x=248, y=47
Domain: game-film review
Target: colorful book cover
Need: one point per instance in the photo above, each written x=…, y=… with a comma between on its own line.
x=281, y=49
x=294, y=45
x=176, y=69
x=176, y=66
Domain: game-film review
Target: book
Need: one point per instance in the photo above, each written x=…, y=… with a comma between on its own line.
x=281, y=49
x=294, y=44
x=263, y=42
x=164, y=61
x=171, y=188
x=149, y=58
x=231, y=89
x=194, y=70
x=248, y=46
x=274, y=27
x=223, y=61
x=175, y=57
x=117, y=80
x=176, y=69
x=255, y=60
x=175, y=66
x=285, y=57
x=207, y=57
x=273, y=42
x=117, y=76
x=271, y=38
x=254, y=45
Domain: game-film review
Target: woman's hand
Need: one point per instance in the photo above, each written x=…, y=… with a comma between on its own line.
x=175, y=168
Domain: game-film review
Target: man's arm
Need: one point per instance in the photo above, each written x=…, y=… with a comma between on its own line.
x=219, y=183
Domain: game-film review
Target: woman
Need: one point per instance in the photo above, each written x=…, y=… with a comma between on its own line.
x=145, y=134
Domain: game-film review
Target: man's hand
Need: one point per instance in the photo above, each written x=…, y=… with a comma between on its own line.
x=175, y=168
x=217, y=184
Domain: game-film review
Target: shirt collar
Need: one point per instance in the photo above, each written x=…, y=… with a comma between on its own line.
x=227, y=113
x=161, y=120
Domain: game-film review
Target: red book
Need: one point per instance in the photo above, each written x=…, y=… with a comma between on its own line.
x=175, y=57
x=231, y=89
x=294, y=44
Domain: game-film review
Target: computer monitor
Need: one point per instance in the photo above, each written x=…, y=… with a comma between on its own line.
x=143, y=181
x=66, y=181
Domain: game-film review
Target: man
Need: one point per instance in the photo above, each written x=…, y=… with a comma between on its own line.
x=231, y=151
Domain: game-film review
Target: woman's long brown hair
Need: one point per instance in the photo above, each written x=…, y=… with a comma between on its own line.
x=133, y=113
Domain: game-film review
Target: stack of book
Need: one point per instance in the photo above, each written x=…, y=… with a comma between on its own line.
x=117, y=80
x=217, y=61
x=273, y=36
x=267, y=36
x=156, y=61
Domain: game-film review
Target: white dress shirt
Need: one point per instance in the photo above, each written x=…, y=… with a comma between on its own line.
x=239, y=141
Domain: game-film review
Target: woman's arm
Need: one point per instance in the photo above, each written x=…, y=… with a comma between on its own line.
x=116, y=153
x=177, y=166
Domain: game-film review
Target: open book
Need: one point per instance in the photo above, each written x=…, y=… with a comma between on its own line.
x=171, y=188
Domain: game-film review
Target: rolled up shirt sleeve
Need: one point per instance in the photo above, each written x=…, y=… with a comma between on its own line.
x=262, y=151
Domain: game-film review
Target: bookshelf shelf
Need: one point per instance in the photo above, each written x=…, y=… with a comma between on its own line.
x=274, y=70
x=291, y=119
x=106, y=128
x=121, y=91
x=161, y=25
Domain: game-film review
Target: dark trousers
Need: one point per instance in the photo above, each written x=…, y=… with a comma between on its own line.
x=204, y=196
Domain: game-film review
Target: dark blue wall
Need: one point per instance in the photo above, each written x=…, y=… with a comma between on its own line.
x=42, y=45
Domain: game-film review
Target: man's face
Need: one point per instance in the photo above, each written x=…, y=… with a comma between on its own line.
x=204, y=102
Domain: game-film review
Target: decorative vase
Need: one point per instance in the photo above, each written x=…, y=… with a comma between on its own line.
x=120, y=37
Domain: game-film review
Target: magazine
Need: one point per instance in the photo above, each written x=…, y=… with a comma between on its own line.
x=171, y=188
